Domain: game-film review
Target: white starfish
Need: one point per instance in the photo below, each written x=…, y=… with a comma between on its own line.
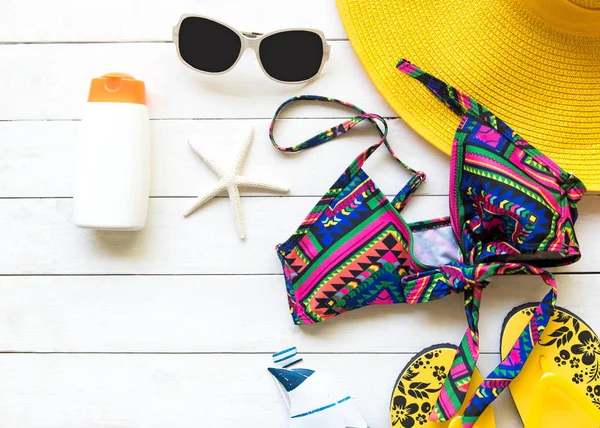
x=231, y=181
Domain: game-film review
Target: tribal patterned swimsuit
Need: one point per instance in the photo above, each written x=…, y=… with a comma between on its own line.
x=512, y=211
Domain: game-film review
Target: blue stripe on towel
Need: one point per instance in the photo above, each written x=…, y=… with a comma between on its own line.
x=286, y=358
x=277, y=354
x=320, y=409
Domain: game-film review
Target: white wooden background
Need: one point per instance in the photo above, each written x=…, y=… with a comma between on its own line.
x=174, y=326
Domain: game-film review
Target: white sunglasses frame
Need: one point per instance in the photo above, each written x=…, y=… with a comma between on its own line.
x=252, y=41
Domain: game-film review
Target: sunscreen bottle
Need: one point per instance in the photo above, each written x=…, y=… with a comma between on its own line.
x=113, y=180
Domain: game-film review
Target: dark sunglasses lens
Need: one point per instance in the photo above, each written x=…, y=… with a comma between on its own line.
x=292, y=56
x=207, y=45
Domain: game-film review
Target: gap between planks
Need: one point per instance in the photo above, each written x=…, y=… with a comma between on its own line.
x=216, y=197
x=242, y=353
x=160, y=119
x=112, y=42
x=565, y=273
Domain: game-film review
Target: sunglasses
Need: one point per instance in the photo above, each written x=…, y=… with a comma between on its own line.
x=288, y=56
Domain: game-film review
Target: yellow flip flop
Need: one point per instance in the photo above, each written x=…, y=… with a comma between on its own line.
x=418, y=386
x=559, y=385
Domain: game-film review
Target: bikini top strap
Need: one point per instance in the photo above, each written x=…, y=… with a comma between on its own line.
x=328, y=135
x=458, y=101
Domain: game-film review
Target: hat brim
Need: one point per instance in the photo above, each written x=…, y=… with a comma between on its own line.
x=541, y=80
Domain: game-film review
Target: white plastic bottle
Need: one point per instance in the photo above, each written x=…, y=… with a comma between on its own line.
x=113, y=184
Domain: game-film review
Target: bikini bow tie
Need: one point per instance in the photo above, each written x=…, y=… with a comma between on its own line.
x=463, y=277
x=457, y=277
x=453, y=278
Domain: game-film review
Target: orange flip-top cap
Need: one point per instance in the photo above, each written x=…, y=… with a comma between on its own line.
x=117, y=88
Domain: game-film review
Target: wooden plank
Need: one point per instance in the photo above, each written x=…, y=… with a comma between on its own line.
x=52, y=82
x=135, y=20
x=244, y=314
x=42, y=230
x=169, y=244
x=37, y=159
x=39, y=237
x=72, y=391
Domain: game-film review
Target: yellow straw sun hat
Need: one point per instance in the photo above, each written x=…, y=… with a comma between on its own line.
x=534, y=63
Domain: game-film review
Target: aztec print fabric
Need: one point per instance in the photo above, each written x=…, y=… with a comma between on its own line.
x=512, y=212
x=510, y=205
x=354, y=223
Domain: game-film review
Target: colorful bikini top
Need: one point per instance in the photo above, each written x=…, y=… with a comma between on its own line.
x=512, y=210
